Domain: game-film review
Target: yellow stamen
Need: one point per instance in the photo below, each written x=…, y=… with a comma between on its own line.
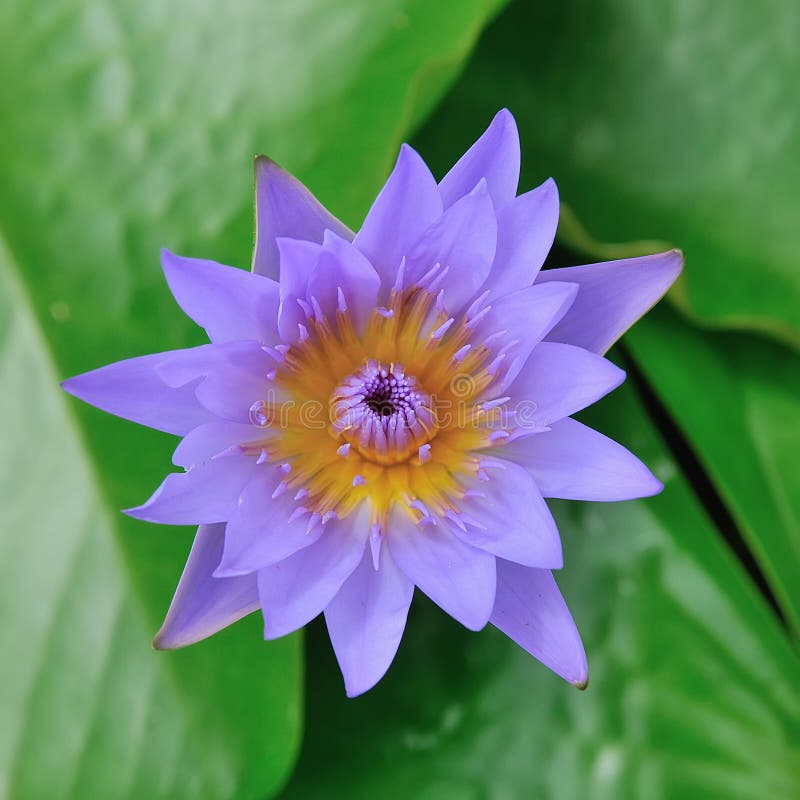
x=312, y=383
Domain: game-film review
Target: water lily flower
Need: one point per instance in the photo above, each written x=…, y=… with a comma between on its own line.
x=387, y=410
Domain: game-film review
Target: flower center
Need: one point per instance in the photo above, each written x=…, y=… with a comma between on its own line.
x=353, y=417
x=383, y=413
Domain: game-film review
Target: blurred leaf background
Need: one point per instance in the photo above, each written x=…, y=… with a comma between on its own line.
x=127, y=126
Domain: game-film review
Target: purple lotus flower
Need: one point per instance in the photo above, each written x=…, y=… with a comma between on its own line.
x=387, y=410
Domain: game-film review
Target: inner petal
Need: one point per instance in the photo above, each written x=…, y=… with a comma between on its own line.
x=383, y=413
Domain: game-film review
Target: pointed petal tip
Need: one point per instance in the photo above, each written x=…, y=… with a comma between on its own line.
x=266, y=168
x=657, y=488
x=166, y=639
x=620, y=377
x=231, y=567
x=262, y=162
x=170, y=264
x=69, y=385
x=474, y=624
x=668, y=266
x=570, y=290
x=170, y=261
x=407, y=151
x=136, y=512
x=548, y=188
x=506, y=118
x=580, y=677
x=88, y=386
x=582, y=684
x=408, y=158
x=481, y=189
x=160, y=641
x=677, y=258
x=229, y=571
x=649, y=485
x=356, y=688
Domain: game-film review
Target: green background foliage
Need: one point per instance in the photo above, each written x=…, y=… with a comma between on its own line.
x=128, y=126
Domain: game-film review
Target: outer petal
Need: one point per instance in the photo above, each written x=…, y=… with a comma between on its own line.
x=509, y=518
x=178, y=367
x=495, y=156
x=463, y=241
x=228, y=302
x=366, y=621
x=530, y=610
x=205, y=494
x=456, y=576
x=211, y=439
x=520, y=320
x=261, y=530
x=234, y=377
x=342, y=266
x=132, y=390
x=612, y=296
x=294, y=591
x=284, y=207
x=575, y=462
x=558, y=380
x=202, y=604
x=406, y=207
x=526, y=228
x=298, y=259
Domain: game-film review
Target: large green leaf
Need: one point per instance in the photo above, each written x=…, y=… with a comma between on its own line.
x=129, y=126
x=676, y=120
x=693, y=690
x=737, y=399
x=88, y=709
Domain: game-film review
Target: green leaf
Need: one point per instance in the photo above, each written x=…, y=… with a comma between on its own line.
x=130, y=126
x=674, y=121
x=737, y=399
x=88, y=708
x=693, y=690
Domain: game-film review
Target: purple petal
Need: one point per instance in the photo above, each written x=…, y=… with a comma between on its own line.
x=495, y=157
x=575, y=462
x=179, y=367
x=457, y=577
x=612, y=296
x=294, y=591
x=205, y=494
x=526, y=228
x=463, y=240
x=526, y=316
x=133, y=390
x=342, y=266
x=366, y=621
x=211, y=439
x=261, y=530
x=202, y=604
x=228, y=302
x=559, y=380
x=511, y=520
x=530, y=610
x=234, y=377
x=285, y=208
x=406, y=207
x=298, y=259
